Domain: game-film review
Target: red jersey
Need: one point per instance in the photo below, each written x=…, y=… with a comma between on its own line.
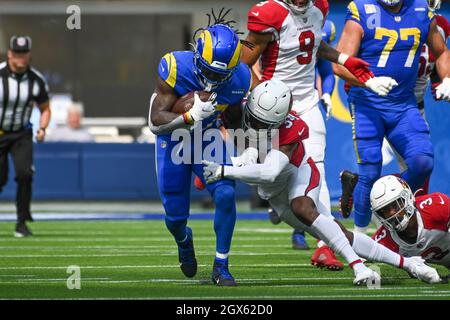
x=427, y=62
x=293, y=131
x=433, y=236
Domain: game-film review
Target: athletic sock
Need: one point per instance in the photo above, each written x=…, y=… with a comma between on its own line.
x=369, y=249
x=331, y=233
x=225, y=216
x=362, y=230
x=222, y=256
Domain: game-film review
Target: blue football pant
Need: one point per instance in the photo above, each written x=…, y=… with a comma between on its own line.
x=407, y=132
x=174, y=183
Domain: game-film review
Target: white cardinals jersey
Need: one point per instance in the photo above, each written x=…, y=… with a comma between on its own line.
x=433, y=236
x=291, y=56
x=301, y=176
x=427, y=61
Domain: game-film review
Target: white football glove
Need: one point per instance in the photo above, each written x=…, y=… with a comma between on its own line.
x=443, y=90
x=364, y=275
x=381, y=85
x=202, y=110
x=249, y=156
x=326, y=100
x=417, y=267
x=212, y=171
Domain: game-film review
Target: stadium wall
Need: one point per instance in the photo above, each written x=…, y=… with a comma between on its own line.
x=103, y=171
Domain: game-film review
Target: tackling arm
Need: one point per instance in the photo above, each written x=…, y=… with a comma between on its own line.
x=250, y=56
x=257, y=173
x=349, y=44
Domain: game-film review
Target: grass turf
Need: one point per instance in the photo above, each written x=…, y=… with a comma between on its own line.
x=138, y=259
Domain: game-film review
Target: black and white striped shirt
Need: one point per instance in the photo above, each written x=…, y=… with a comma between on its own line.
x=18, y=94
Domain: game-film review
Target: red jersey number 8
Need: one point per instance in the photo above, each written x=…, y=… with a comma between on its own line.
x=307, y=42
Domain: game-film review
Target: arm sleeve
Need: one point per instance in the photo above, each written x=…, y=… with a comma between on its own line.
x=260, y=173
x=326, y=73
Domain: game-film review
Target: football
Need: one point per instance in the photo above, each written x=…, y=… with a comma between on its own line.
x=185, y=103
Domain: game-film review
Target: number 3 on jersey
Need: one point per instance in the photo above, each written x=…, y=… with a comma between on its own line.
x=307, y=42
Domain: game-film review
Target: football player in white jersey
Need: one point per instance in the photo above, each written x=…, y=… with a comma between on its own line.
x=412, y=226
x=290, y=180
x=287, y=36
x=427, y=69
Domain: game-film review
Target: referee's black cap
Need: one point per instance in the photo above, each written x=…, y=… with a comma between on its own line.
x=20, y=43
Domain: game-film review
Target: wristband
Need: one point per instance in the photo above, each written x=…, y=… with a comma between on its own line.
x=187, y=118
x=342, y=59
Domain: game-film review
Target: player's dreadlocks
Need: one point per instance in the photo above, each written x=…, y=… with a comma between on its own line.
x=214, y=19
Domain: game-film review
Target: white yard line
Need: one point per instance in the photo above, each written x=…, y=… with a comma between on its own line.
x=289, y=297
x=142, y=254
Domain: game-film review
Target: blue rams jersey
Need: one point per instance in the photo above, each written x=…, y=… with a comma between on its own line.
x=391, y=44
x=328, y=32
x=177, y=70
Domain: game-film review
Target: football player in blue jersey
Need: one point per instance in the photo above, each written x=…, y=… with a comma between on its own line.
x=214, y=66
x=389, y=34
x=325, y=69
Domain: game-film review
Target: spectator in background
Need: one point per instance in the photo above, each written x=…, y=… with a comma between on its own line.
x=73, y=131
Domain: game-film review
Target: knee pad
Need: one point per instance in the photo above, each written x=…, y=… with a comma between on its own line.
x=422, y=165
x=419, y=170
x=224, y=195
x=368, y=174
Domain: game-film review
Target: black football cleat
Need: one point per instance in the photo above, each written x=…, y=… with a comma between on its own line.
x=186, y=256
x=273, y=216
x=348, y=184
x=22, y=230
x=221, y=276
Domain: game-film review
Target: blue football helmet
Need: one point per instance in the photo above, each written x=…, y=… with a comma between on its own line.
x=391, y=3
x=216, y=54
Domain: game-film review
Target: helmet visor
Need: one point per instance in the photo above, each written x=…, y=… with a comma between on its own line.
x=210, y=75
x=391, y=214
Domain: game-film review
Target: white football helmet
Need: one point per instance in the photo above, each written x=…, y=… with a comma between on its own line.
x=434, y=4
x=390, y=3
x=299, y=9
x=269, y=103
x=391, y=192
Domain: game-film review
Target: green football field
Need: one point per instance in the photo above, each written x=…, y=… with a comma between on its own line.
x=138, y=259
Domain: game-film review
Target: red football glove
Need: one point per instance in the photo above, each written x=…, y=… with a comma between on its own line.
x=359, y=68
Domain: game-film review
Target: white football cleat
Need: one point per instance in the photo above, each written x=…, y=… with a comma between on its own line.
x=417, y=268
x=364, y=275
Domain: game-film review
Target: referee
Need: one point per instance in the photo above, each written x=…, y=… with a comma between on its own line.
x=21, y=88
